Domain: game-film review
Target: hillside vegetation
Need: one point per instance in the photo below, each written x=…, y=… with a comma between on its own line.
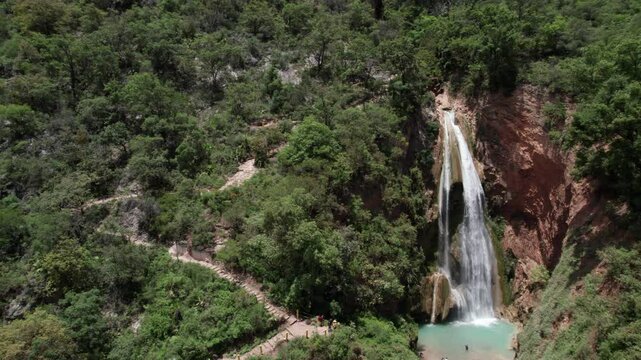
x=164, y=99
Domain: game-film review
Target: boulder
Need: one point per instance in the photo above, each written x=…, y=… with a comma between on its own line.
x=436, y=296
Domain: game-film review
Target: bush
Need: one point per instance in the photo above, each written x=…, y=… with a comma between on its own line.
x=554, y=114
x=368, y=338
x=539, y=276
x=39, y=336
x=312, y=141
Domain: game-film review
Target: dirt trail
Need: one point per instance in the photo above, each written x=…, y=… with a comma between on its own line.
x=245, y=171
x=108, y=200
x=270, y=347
x=249, y=284
x=266, y=124
x=132, y=238
x=293, y=328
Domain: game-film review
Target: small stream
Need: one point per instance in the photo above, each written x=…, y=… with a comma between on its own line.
x=487, y=339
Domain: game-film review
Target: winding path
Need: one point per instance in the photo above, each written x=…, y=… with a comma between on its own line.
x=295, y=327
x=249, y=284
x=108, y=200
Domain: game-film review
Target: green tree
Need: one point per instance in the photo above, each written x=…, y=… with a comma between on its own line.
x=606, y=134
x=628, y=58
x=260, y=150
x=312, y=140
x=36, y=90
x=68, y=267
x=115, y=134
x=297, y=17
x=479, y=47
x=41, y=16
x=145, y=95
x=149, y=163
x=18, y=122
x=192, y=154
x=216, y=53
x=125, y=270
x=39, y=336
x=95, y=113
x=320, y=41
x=13, y=228
x=260, y=20
x=82, y=313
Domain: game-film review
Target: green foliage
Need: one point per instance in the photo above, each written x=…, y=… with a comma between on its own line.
x=311, y=141
x=68, y=267
x=98, y=97
x=259, y=19
x=605, y=133
x=540, y=275
x=13, y=228
x=19, y=122
x=35, y=90
x=39, y=336
x=601, y=325
x=555, y=114
x=144, y=95
x=124, y=271
x=478, y=47
x=504, y=264
x=216, y=52
x=44, y=17
x=180, y=217
x=14, y=277
x=320, y=42
x=192, y=154
x=555, y=301
x=291, y=243
x=620, y=335
x=192, y=314
x=369, y=338
x=297, y=17
x=83, y=317
x=149, y=164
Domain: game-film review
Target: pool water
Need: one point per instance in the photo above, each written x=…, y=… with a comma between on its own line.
x=487, y=339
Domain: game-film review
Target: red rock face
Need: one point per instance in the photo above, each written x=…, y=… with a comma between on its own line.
x=526, y=175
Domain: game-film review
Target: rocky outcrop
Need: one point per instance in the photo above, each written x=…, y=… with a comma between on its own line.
x=436, y=297
x=20, y=305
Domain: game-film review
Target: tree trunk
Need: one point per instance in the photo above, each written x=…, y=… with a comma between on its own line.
x=378, y=8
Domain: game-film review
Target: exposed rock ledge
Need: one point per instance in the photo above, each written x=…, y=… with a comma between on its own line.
x=436, y=297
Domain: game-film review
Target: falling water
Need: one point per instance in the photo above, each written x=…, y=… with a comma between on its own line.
x=443, y=204
x=473, y=294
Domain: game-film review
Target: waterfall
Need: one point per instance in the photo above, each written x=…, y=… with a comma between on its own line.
x=473, y=291
x=434, y=294
x=443, y=205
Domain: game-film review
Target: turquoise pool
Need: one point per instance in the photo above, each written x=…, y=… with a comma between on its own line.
x=487, y=339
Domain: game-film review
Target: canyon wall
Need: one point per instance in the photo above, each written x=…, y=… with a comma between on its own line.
x=527, y=181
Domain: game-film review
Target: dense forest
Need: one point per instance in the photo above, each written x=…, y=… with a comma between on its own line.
x=334, y=101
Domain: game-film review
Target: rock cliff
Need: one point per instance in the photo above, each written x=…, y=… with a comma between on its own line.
x=528, y=183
